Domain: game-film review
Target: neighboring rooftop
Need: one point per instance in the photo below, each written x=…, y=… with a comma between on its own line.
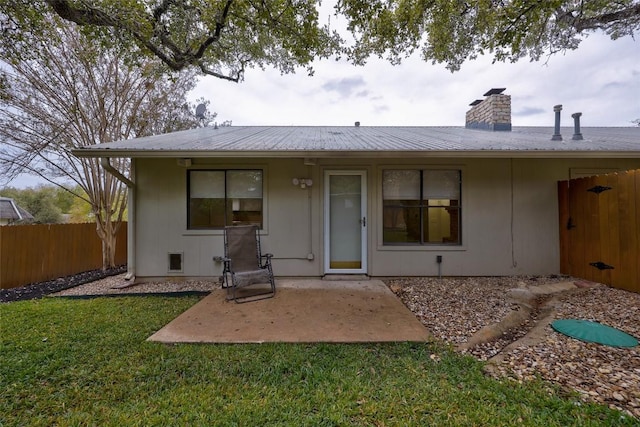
x=10, y=212
x=365, y=141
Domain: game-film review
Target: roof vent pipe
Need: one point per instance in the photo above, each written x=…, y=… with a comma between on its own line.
x=576, y=127
x=556, y=135
x=357, y=124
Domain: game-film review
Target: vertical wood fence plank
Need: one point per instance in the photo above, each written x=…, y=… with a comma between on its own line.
x=35, y=253
x=600, y=216
x=592, y=231
x=577, y=258
x=34, y=264
x=4, y=266
x=636, y=174
x=58, y=244
x=611, y=227
x=121, y=245
x=628, y=239
x=629, y=247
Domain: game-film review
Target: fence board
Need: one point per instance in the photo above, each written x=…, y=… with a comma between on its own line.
x=35, y=253
x=592, y=231
x=637, y=206
x=577, y=254
x=629, y=234
x=612, y=226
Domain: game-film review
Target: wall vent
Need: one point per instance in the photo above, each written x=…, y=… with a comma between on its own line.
x=175, y=262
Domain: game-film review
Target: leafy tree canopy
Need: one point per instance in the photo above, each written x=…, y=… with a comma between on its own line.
x=452, y=32
x=224, y=37
x=220, y=38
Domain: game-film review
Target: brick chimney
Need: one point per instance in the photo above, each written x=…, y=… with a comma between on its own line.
x=493, y=113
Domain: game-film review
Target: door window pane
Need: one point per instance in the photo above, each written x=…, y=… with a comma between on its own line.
x=345, y=193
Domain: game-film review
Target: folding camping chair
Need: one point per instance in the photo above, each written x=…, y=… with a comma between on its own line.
x=245, y=265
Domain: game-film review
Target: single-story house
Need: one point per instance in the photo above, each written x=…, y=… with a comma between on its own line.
x=11, y=213
x=379, y=201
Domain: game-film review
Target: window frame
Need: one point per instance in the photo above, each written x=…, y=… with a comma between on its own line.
x=423, y=206
x=193, y=229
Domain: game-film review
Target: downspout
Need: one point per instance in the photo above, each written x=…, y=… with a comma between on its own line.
x=131, y=219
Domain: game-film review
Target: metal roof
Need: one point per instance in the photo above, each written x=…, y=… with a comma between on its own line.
x=372, y=141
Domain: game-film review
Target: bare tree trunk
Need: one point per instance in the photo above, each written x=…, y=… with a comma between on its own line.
x=108, y=206
x=108, y=232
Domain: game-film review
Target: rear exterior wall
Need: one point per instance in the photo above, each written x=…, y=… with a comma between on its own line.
x=509, y=217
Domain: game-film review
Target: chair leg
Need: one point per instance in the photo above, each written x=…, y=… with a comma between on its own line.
x=232, y=293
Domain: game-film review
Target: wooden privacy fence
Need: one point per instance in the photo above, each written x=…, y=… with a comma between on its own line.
x=600, y=229
x=35, y=253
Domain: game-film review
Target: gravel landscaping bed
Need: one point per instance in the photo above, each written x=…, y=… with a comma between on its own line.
x=114, y=286
x=454, y=309
x=41, y=289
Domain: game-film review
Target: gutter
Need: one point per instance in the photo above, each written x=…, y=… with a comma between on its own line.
x=105, y=162
x=131, y=220
x=368, y=154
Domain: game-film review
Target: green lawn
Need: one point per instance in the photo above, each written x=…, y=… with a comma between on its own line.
x=86, y=362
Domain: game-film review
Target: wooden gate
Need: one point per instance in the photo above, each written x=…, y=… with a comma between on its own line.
x=600, y=229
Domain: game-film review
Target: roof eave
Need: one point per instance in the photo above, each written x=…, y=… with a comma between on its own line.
x=115, y=153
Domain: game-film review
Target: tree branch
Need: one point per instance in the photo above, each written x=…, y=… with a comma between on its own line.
x=166, y=50
x=602, y=21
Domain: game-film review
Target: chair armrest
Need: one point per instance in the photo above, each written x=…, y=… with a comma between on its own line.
x=220, y=259
x=267, y=260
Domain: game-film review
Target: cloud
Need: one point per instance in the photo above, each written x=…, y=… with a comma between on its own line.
x=381, y=108
x=345, y=86
x=529, y=111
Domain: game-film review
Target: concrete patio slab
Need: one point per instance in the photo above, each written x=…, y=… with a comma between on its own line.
x=301, y=311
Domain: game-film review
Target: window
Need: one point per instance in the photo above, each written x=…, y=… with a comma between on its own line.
x=218, y=198
x=421, y=207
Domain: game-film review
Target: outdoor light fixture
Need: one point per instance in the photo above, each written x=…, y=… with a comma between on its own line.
x=302, y=182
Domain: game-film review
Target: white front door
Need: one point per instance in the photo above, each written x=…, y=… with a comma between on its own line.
x=345, y=222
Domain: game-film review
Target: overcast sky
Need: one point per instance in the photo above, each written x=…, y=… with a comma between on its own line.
x=601, y=79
